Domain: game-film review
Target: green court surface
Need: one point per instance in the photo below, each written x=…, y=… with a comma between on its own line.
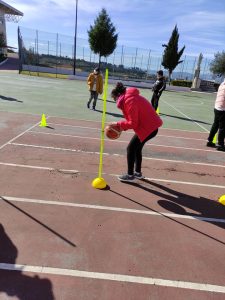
x=67, y=98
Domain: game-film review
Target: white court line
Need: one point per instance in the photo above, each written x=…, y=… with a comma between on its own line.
x=122, y=141
x=19, y=135
x=110, y=208
x=185, y=182
x=114, y=175
x=37, y=167
x=115, y=277
x=109, y=154
x=186, y=116
x=161, y=128
x=132, y=133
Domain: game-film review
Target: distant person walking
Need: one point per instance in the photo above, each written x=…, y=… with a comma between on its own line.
x=95, y=83
x=142, y=118
x=158, y=87
x=219, y=120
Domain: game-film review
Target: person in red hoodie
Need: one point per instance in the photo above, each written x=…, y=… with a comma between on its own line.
x=142, y=118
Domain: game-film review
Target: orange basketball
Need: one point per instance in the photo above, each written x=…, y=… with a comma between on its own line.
x=112, y=132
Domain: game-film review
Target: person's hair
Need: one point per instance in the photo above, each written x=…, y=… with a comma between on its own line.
x=118, y=90
x=160, y=73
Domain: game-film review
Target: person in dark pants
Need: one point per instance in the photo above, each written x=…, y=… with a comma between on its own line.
x=219, y=120
x=95, y=83
x=142, y=118
x=158, y=87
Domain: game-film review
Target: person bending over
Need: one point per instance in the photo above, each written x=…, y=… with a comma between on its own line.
x=142, y=118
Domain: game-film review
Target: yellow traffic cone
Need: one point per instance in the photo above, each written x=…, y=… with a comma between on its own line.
x=43, y=121
x=215, y=139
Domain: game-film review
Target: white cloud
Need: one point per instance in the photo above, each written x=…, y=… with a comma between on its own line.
x=140, y=23
x=201, y=20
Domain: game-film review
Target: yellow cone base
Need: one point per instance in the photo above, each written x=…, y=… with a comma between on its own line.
x=43, y=121
x=222, y=200
x=99, y=183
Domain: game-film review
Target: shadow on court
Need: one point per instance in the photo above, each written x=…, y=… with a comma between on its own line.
x=205, y=208
x=185, y=119
x=110, y=101
x=38, y=222
x=15, y=283
x=10, y=99
x=110, y=114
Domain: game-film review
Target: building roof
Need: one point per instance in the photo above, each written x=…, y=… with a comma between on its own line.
x=9, y=10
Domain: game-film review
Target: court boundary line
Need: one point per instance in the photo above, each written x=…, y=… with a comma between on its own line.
x=122, y=141
x=112, y=208
x=88, y=120
x=21, y=134
x=131, y=133
x=186, y=116
x=114, y=175
x=108, y=154
x=115, y=277
x=161, y=128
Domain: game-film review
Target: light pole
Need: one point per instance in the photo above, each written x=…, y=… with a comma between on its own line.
x=75, y=43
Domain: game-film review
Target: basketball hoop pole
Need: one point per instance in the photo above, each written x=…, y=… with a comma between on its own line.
x=75, y=42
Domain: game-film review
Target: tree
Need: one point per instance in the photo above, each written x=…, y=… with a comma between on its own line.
x=102, y=36
x=217, y=66
x=171, y=56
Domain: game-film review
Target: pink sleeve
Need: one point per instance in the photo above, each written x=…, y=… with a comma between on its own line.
x=131, y=121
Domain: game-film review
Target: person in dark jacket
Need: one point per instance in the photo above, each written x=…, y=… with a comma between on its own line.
x=142, y=118
x=158, y=87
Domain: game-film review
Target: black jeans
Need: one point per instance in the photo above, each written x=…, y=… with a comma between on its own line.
x=155, y=100
x=93, y=95
x=218, y=124
x=134, y=152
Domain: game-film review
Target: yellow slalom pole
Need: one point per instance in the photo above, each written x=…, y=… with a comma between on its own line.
x=99, y=183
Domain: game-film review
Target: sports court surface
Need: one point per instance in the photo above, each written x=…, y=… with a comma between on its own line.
x=158, y=238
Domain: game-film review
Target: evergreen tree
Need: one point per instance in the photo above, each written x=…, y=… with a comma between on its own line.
x=171, y=56
x=102, y=36
x=217, y=66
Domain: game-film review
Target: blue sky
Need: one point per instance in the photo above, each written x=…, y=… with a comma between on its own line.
x=140, y=23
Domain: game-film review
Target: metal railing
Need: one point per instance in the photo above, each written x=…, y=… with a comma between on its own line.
x=54, y=53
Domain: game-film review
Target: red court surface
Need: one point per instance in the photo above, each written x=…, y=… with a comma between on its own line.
x=157, y=238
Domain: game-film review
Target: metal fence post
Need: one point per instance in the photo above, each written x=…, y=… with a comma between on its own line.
x=57, y=41
x=148, y=64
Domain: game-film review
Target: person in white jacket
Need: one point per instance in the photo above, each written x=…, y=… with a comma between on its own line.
x=219, y=120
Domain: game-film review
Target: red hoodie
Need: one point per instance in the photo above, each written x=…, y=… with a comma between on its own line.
x=139, y=114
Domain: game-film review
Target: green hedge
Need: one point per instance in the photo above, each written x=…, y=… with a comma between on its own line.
x=185, y=83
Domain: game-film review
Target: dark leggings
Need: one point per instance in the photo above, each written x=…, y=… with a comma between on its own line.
x=134, y=152
x=218, y=125
x=93, y=95
x=155, y=100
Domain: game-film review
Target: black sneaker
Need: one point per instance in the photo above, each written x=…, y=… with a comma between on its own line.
x=88, y=105
x=220, y=148
x=126, y=178
x=138, y=175
x=93, y=108
x=211, y=144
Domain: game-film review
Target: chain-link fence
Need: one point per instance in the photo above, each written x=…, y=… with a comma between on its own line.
x=47, y=52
